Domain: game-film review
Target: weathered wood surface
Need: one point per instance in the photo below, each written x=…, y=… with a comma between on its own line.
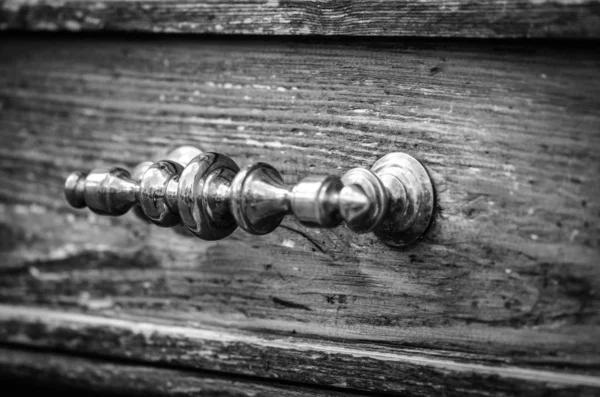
x=423, y=18
x=508, y=275
x=356, y=367
x=68, y=374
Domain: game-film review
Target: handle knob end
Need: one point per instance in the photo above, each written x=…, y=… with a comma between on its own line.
x=74, y=188
x=104, y=191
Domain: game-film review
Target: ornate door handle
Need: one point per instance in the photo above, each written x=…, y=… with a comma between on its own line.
x=211, y=196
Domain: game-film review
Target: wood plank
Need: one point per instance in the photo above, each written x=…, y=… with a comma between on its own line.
x=293, y=359
x=508, y=275
x=48, y=372
x=424, y=18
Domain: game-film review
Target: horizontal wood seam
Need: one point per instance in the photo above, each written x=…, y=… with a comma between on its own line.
x=33, y=315
x=180, y=369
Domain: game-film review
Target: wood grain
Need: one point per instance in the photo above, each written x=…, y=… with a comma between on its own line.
x=49, y=372
x=321, y=363
x=424, y=18
x=508, y=274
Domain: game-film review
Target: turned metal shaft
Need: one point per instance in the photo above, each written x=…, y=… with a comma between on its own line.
x=211, y=196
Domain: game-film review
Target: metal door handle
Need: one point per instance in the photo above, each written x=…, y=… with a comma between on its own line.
x=212, y=197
